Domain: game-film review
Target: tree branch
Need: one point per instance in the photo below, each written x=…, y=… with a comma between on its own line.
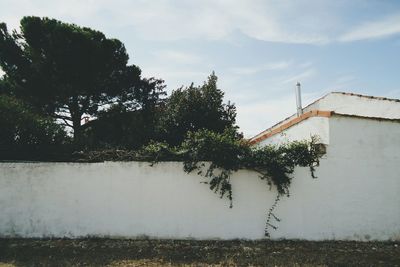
x=57, y=116
x=66, y=123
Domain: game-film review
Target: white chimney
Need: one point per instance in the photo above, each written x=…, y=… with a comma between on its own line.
x=298, y=99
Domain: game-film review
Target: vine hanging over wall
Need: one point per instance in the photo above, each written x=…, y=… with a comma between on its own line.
x=227, y=154
x=216, y=156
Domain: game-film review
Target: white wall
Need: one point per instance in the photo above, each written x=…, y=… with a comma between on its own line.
x=364, y=159
x=357, y=105
x=355, y=199
x=304, y=130
x=126, y=199
x=357, y=193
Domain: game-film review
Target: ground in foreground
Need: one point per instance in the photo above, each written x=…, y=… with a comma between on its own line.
x=148, y=252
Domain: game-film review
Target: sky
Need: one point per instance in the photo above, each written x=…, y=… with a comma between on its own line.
x=258, y=49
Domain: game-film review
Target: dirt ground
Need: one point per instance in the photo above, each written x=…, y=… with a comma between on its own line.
x=148, y=252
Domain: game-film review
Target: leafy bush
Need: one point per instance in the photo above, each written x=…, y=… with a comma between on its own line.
x=25, y=134
x=160, y=151
x=119, y=128
x=194, y=108
x=225, y=152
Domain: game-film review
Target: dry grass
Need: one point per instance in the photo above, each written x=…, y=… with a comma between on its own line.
x=123, y=252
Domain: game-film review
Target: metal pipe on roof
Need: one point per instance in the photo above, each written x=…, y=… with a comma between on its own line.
x=298, y=99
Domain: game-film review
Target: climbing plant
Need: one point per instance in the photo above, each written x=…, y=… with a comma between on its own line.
x=216, y=156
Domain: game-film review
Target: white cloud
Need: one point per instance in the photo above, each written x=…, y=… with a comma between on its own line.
x=267, y=20
x=373, y=29
x=343, y=83
x=175, y=77
x=256, y=117
x=175, y=20
x=300, y=77
x=173, y=57
x=281, y=65
x=306, y=65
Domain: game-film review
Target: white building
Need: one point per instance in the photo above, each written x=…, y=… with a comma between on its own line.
x=357, y=195
x=317, y=116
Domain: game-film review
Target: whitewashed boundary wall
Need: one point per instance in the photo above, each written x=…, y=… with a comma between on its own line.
x=133, y=199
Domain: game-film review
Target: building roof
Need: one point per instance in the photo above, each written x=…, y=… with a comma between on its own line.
x=364, y=96
x=339, y=104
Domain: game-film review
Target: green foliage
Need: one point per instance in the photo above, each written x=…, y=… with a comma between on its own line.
x=160, y=151
x=25, y=132
x=224, y=152
x=217, y=155
x=69, y=71
x=275, y=163
x=194, y=108
x=227, y=153
x=120, y=128
x=190, y=109
x=4, y=86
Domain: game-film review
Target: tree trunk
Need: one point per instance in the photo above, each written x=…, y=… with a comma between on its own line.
x=76, y=125
x=76, y=116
